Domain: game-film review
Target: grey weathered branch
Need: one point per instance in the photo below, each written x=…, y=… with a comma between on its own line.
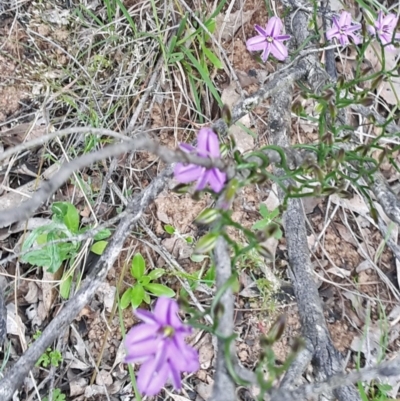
x=326, y=359
x=14, y=378
x=26, y=209
x=385, y=369
x=224, y=386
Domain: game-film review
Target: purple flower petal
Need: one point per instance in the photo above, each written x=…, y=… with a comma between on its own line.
x=266, y=52
x=141, y=332
x=331, y=33
x=385, y=38
x=355, y=27
x=379, y=20
x=217, y=179
x=274, y=27
x=146, y=316
x=256, y=43
x=390, y=20
x=279, y=50
x=142, y=350
x=175, y=376
x=189, y=173
x=260, y=30
x=202, y=181
x=343, y=40
x=337, y=27
x=150, y=381
x=355, y=38
x=345, y=19
x=186, y=147
x=208, y=144
x=167, y=309
x=371, y=29
x=282, y=37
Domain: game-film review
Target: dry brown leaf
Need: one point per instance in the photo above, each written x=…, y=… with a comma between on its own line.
x=32, y=295
x=204, y=390
x=15, y=326
x=243, y=140
x=77, y=387
x=345, y=234
x=48, y=290
x=206, y=355
x=338, y=271
x=227, y=25
x=355, y=204
x=104, y=378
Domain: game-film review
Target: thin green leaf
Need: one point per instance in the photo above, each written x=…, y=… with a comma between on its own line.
x=203, y=74
x=206, y=243
x=65, y=287
x=213, y=58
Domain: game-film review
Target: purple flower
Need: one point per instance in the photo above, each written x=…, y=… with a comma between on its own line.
x=159, y=343
x=343, y=29
x=207, y=146
x=384, y=28
x=269, y=40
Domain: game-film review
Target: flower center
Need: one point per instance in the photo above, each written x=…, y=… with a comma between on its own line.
x=270, y=39
x=168, y=331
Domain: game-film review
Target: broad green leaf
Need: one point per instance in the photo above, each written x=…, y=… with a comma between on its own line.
x=65, y=287
x=98, y=247
x=198, y=258
x=156, y=274
x=206, y=243
x=259, y=225
x=169, y=229
x=37, y=258
x=144, y=280
x=68, y=214
x=71, y=219
x=146, y=298
x=264, y=210
x=103, y=234
x=137, y=295
x=54, y=252
x=138, y=266
x=59, y=210
x=126, y=298
x=213, y=58
x=42, y=239
x=160, y=290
